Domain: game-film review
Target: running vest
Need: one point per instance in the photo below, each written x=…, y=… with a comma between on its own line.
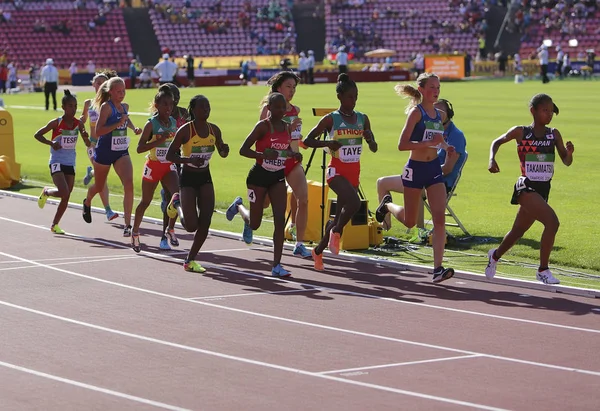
x=199, y=147
x=180, y=120
x=427, y=127
x=118, y=137
x=93, y=115
x=290, y=116
x=536, y=155
x=274, y=140
x=349, y=135
x=68, y=140
x=159, y=153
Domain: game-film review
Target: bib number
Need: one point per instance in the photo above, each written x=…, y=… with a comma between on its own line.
x=147, y=172
x=407, y=174
x=55, y=168
x=119, y=143
x=521, y=183
x=68, y=142
x=251, y=195
x=161, y=154
x=90, y=152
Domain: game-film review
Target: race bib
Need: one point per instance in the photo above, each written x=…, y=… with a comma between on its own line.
x=278, y=163
x=147, y=172
x=119, y=140
x=297, y=132
x=431, y=129
x=407, y=174
x=68, y=139
x=251, y=195
x=539, y=167
x=161, y=154
x=350, y=150
x=203, y=152
x=90, y=151
x=54, y=168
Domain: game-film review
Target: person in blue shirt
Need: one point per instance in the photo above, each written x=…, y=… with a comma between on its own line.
x=133, y=73
x=451, y=163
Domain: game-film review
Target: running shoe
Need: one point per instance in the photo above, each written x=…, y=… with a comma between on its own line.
x=42, y=198
x=87, y=213
x=334, y=242
x=301, y=251
x=546, y=277
x=88, y=175
x=490, y=270
x=318, y=260
x=382, y=210
x=232, y=210
x=442, y=274
x=172, y=239
x=172, y=207
x=279, y=271
x=164, y=243
x=247, y=234
x=127, y=231
x=135, y=243
x=56, y=229
x=293, y=232
x=111, y=215
x=193, y=267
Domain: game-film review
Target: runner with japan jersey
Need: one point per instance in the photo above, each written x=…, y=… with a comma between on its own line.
x=92, y=114
x=536, y=146
x=193, y=147
x=347, y=129
x=113, y=147
x=156, y=138
x=285, y=82
x=62, y=156
x=272, y=137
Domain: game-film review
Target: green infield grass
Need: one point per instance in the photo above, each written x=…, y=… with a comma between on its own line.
x=484, y=110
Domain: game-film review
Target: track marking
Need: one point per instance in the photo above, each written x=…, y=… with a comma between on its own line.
x=308, y=324
x=222, y=268
x=299, y=290
x=71, y=262
x=134, y=113
x=92, y=387
x=398, y=364
x=71, y=258
x=247, y=360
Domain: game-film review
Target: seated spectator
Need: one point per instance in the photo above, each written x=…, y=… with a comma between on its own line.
x=145, y=79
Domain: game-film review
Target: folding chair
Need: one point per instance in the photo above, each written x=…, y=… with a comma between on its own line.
x=449, y=211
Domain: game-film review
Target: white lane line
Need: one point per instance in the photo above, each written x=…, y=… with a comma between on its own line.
x=134, y=113
x=246, y=360
x=72, y=258
x=337, y=290
x=70, y=262
x=398, y=364
x=305, y=323
x=218, y=297
x=92, y=387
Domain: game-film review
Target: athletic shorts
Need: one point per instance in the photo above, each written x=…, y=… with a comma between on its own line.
x=61, y=168
x=523, y=184
x=258, y=176
x=290, y=163
x=155, y=171
x=350, y=171
x=105, y=156
x=422, y=174
x=194, y=179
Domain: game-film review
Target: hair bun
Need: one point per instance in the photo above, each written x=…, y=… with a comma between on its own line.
x=343, y=78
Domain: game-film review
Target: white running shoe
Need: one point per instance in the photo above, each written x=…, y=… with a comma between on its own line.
x=490, y=270
x=546, y=277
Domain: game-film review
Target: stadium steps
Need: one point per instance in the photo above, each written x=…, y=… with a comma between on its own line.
x=142, y=36
x=310, y=30
x=510, y=43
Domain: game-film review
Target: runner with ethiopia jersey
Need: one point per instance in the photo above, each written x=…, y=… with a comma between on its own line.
x=156, y=138
x=536, y=146
x=347, y=129
x=272, y=138
x=193, y=147
x=92, y=114
x=65, y=130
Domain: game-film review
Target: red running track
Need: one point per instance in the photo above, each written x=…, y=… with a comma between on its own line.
x=89, y=324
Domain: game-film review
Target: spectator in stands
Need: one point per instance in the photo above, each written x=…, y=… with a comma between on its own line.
x=91, y=67
x=342, y=60
x=72, y=70
x=49, y=79
x=166, y=70
x=311, y=67
x=189, y=60
x=39, y=26
x=133, y=73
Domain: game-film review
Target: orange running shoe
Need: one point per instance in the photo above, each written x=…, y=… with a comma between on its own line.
x=334, y=242
x=318, y=259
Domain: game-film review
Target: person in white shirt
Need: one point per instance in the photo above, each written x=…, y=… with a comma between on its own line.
x=543, y=56
x=72, y=70
x=166, y=70
x=342, y=60
x=566, y=65
x=49, y=78
x=311, y=67
x=560, y=54
x=303, y=68
x=91, y=67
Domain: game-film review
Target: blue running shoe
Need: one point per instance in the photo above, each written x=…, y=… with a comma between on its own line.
x=301, y=251
x=88, y=176
x=232, y=210
x=164, y=243
x=247, y=234
x=279, y=271
x=111, y=215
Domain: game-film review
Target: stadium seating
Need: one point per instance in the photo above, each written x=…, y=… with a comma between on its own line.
x=28, y=47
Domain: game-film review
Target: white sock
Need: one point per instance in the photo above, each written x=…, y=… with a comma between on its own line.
x=298, y=243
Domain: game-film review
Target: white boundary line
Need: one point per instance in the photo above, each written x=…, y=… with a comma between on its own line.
x=479, y=277
x=71, y=262
x=248, y=360
x=337, y=290
x=399, y=364
x=220, y=297
x=92, y=387
x=83, y=258
x=315, y=325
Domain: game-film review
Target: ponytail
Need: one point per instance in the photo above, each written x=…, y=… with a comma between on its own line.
x=412, y=93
